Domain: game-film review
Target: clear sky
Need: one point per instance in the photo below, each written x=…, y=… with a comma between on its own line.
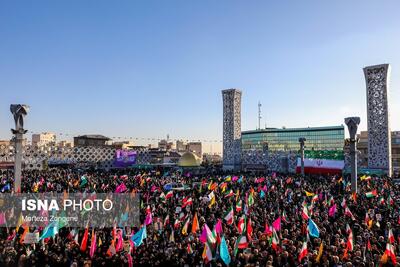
x=152, y=68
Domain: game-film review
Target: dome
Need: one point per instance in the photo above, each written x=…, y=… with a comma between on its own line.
x=189, y=159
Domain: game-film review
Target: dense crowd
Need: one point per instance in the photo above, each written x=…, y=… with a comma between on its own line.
x=204, y=220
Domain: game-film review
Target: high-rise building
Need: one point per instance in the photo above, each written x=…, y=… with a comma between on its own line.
x=379, y=137
x=231, y=129
x=43, y=139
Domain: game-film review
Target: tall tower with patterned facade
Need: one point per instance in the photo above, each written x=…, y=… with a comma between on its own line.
x=232, y=131
x=379, y=136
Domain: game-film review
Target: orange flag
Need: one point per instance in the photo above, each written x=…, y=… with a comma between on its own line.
x=195, y=224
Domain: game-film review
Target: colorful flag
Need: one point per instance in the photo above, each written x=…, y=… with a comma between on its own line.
x=275, y=240
x=313, y=228
x=304, y=213
x=84, y=240
x=390, y=253
x=93, y=244
x=277, y=224
x=239, y=206
x=391, y=236
x=185, y=227
x=229, y=216
x=320, y=250
x=241, y=224
x=309, y=194
x=224, y=252
x=207, y=254
x=332, y=211
x=138, y=238
x=207, y=235
x=149, y=219
x=371, y=194
x=195, y=224
x=303, y=251
x=169, y=194
x=249, y=229
x=49, y=231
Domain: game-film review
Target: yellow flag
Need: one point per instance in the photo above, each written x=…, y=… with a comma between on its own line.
x=237, y=194
x=99, y=242
x=212, y=202
x=309, y=194
x=321, y=249
x=20, y=222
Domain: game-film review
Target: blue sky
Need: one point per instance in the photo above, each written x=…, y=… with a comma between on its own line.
x=149, y=68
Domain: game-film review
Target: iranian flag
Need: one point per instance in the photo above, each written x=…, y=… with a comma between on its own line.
x=275, y=240
x=371, y=194
x=391, y=236
x=229, y=217
x=169, y=194
x=390, y=252
x=239, y=206
x=303, y=251
x=350, y=244
x=241, y=224
x=324, y=161
x=207, y=254
x=304, y=213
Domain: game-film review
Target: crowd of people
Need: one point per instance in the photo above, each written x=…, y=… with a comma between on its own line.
x=218, y=220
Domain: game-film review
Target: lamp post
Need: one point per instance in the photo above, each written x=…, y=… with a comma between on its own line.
x=18, y=111
x=352, y=125
x=301, y=141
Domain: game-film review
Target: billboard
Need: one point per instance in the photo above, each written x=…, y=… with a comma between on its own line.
x=124, y=158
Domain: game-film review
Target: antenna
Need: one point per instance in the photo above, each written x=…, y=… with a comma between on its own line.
x=259, y=115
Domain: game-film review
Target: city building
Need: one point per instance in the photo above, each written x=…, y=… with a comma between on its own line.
x=362, y=146
x=212, y=159
x=90, y=140
x=231, y=131
x=43, y=139
x=379, y=143
x=195, y=147
x=64, y=143
x=123, y=144
x=165, y=145
x=181, y=146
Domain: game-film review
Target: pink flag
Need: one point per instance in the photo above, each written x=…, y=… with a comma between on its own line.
x=130, y=261
x=268, y=229
x=149, y=219
x=93, y=245
x=204, y=233
x=121, y=188
x=218, y=227
x=277, y=224
x=332, y=211
x=2, y=218
x=120, y=244
x=234, y=178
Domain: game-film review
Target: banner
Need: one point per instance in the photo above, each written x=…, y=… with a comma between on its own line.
x=124, y=158
x=31, y=238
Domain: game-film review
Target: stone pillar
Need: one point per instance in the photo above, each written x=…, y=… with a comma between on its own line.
x=301, y=141
x=379, y=135
x=352, y=124
x=232, y=129
x=18, y=111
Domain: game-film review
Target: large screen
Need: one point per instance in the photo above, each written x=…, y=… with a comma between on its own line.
x=124, y=158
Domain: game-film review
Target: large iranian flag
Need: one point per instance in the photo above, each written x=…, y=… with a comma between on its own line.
x=322, y=162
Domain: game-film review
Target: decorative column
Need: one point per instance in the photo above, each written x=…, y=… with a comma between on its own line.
x=379, y=135
x=232, y=133
x=18, y=111
x=301, y=141
x=352, y=124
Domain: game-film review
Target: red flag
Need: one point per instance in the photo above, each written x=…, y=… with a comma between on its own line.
x=249, y=229
x=93, y=244
x=84, y=240
x=303, y=251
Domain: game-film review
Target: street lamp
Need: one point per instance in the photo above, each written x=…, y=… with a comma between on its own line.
x=18, y=111
x=301, y=141
x=352, y=124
